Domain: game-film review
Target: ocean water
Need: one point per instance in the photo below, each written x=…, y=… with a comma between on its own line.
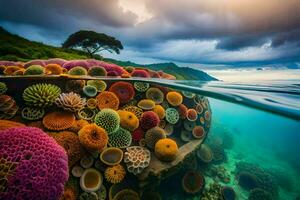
x=254, y=137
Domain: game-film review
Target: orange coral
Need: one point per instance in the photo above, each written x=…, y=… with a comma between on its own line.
x=135, y=110
x=160, y=111
x=182, y=110
x=174, y=98
x=58, y=121
x=6, y=124
x=93, y=137
x=115, y=174
x=78, y=124
x=107, y=100
x=128, y=120
x=69, y=194
x=54, y=69
x=11, y=69
x=192, y=114
x=166, y=149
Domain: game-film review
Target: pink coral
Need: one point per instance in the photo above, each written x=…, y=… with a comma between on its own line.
x=140, y=73
x=74, y=63
x=149, y=120
x=40, y=164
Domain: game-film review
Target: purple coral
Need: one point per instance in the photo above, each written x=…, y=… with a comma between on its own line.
x=40, y=164
x=10, y=63
x=74, y=63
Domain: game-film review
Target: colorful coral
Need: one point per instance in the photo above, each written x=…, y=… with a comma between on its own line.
x=77, y=125
x=75, y=86
x=35, y=62
x=100, y=85
x=97, y=71
x=140, y=73
x=146, y=104
x=71, y=102
x=123, y=90
x=172, y=115
x=91, y=103
x=41, y=95
x=192, y=115
x=39, y=165
x=199, y=132
x=111, y=156
x=193, y=182
x=86, y=113
x=78, y=71
x=10, y=70
x=149, y=120
x=174, y=98
x=54, y=69
x=115, y=174
x=155, y=95
x=91, y=180
x=6, y=124
x=34, y=70
x=128, y=120
x=90, y=91
x=8, y=107
x=58, y=121
x=137, y=159
x=137, y=135
x=108, y=119
x=166, y=149
x=107, y=100
x=153, y=135
x=31, y=113
x=160, y=111
x=135, y=110
x=93, y=137
x=183, y=111
x=141, y=86
x=121, y=138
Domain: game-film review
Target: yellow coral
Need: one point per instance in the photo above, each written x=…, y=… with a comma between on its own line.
x=58, y=121
x=91, y=103
x=107, y=100
x=54, y=69
x=115, y=174
x=166, y=149
x=160, y=111
x=174, y=98
x=146, y=104
x=78, y=124
x=128, y=120
x=135, y=110
x=6, y=124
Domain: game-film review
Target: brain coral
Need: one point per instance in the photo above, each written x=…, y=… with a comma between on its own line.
x=123, y=90
x=140, y=73
x=78, y=71
x=90, y=90
x=97, y=71
x=54, y=69
x=153, y=135
x=135, y=110
x=155, y=95
x=6, y=124
x=149, y=120
x=31, y=113
x=41, y=95
x=174, y=98
x=37, y=165
x=121, y=138
x=70, y=102
x=137, y=159
x=58, y=121
x=70, y=142
x=107, y=100
x=8, y=107
x=166, y=149
x=141, y=86
x=100, y=85
x=108, y=119
x=193, y=182
x=128, y=120
x=93, y=137
x=35, y=70
x=146, y=104
x=115, y=174
x=172, y=115
x=75, y=86
x=3, y=88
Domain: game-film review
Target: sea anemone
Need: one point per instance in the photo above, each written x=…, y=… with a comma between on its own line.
x=90, y=91
x=123, y=90
x=172, y=115
x=3, y=88
x=149, y=120
x=6, y=124
x=93, y=137
x=135, y=110
x=193, y=182
x=141, y=86
x=41, y=95
x=77, y=125
x=34, y=70
x=111, y=156
x=137, y=135
x=8, y=107
x=189, y=125
x=146, y=104
x=108, y=119
x=199, y=132
x=75, y=86
x=140, y=73
x=91, y=180
x=183, y=111
x=192, y=115
x=54, y=69
x=32, y=113
x=115, y=174
x=166, y=149
x=70, y=102
x=86, y=113
x=126, y=194
x=100, y=85
x=137, y=158
x=70, y=142
x=155, y=95
x=128, y=120
x=97, y=71
x=77, y=71
x=121, y=138
x=35, y=165
x=174, y=98
x=58, y=121
x=91, y=103
x=204, y=153
x=153, y=135
x=107, y=100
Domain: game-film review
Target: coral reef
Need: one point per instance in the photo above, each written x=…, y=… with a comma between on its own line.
x=71, y=102
x=75, y=86
x=174, y=98
x=137, y=159
x=115, y=174
x=160, y=111
x=149, y=120
x=121, y=138
x=8, y=107
x=128, y=120
x=107, y=100
x=166, y=149
x=91, y=180
x=155, y=95
x=100, y=85
x=193, y=182
x=93, y=137
x=141, y=86
x=97, y=71
x=111, y=156
x=58, y=121
x=172, y=115
x=146, y=104
x=6, y=124
x=123, y=90
x=78, y=71
x=153, y=135
x=38, y=165
x=34, y=70
x=108, y=119
x=41, y=95
x=31, y=113
x=90, y=90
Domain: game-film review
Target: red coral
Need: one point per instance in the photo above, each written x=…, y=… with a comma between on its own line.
x=149, y=120
x=140, y=73
x=137, y=135
x=124, y=91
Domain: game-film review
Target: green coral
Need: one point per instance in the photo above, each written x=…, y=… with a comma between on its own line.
x=86, y=113
x=121, y=138
x=89, y=91
x=100, y=85
x=141, y=86
x=3, y=88
x=30, y=113
x=41, y=95
x=172, y=115
x=35, y=70
x=78, y=71
x=97, y=71
x=108, y=119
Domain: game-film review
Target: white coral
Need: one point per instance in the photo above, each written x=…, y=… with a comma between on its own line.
x=70, y=102
x=137, y=158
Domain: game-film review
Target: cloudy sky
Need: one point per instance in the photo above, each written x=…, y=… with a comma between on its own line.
x=207, y=33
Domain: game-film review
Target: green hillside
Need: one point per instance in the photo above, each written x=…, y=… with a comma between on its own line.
x=16, y=48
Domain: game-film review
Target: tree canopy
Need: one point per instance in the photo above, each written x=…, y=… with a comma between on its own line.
x=93, y=42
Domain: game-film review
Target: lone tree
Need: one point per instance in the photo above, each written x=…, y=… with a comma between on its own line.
x=93, y=42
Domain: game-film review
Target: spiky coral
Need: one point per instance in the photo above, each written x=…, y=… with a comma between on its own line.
x=166, y=149
x=3, y=88
x=41, y=165
x=111, y=156
x=137, y=159
x=78, y=71
x=146, y=104
x=107, y=100
x=41, y=95
x=108, y=119
x=34, y=70
x=100, y=85
x=115, y=174
x=128, y=120
x=123, y=90
x=121, y=138
x=174, y=98
x=58, y=121
x=75, y=86
x=149, y=120
x=70, y=102
x=153, y=135
x=135, y=110
x=31, y=113
x=141, y=86
x=155, y=95
x=93, y=137
x=6, y=124
x=8, y=107
x=172, y=115
x=97, y=71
